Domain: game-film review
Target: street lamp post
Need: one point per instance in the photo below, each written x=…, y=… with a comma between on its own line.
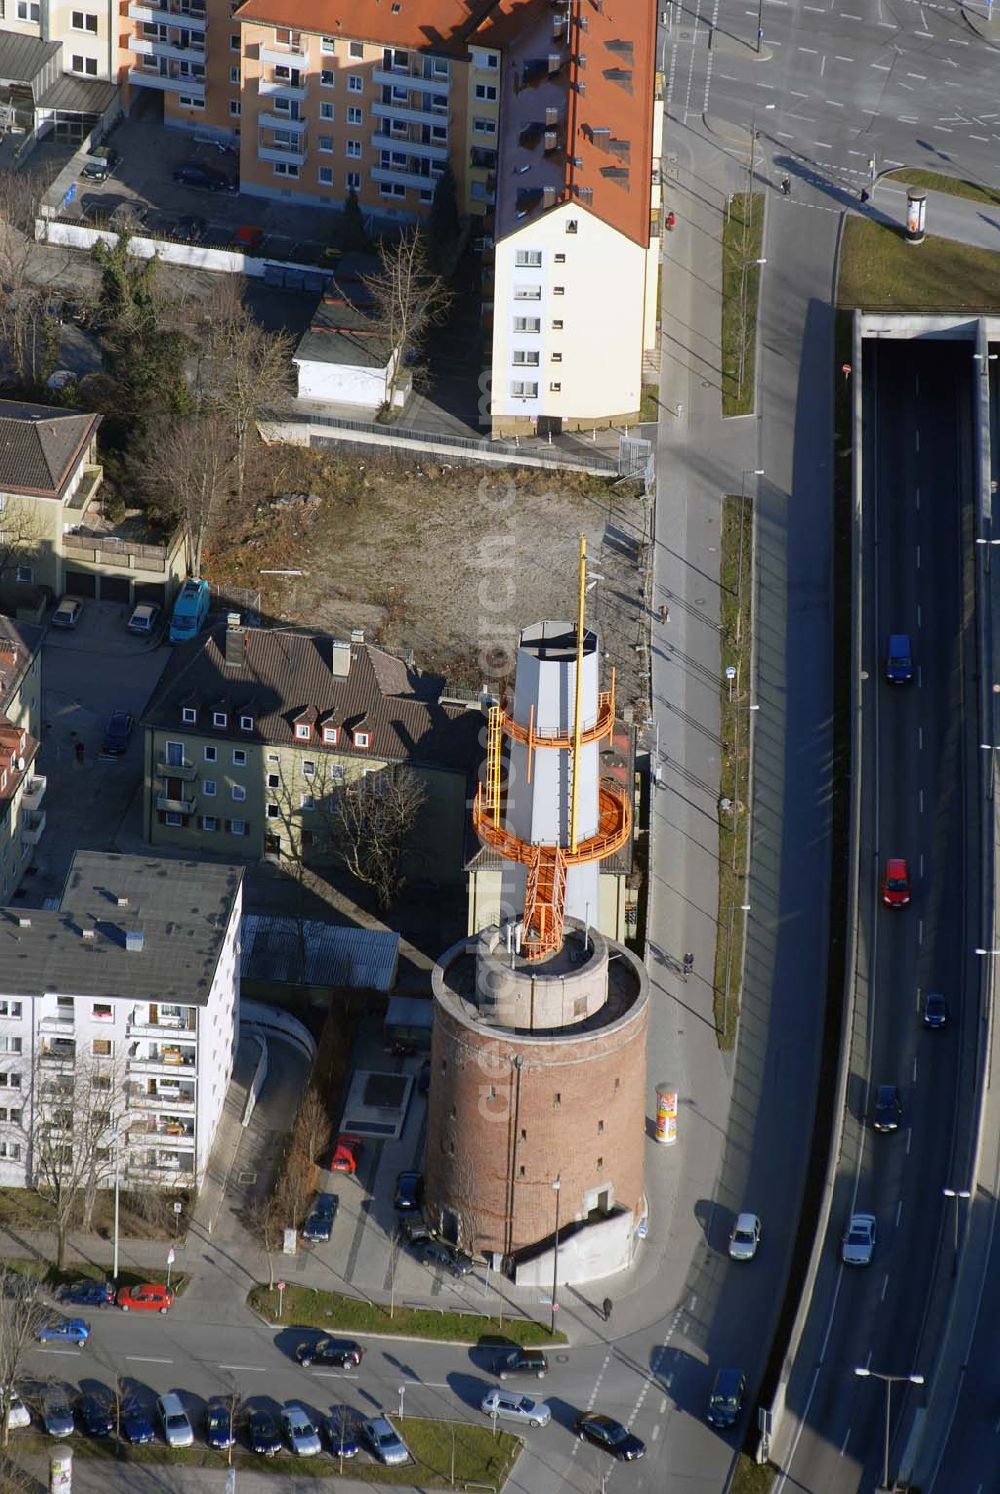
x=957, y=1194
x=888, y=1381
x=556, y=1186
x=114, y=1248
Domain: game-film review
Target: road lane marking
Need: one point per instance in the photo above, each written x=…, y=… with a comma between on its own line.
x=834, y=103
x=914, y=1068
x=813, y=52
x=837, y=58
x=920, y=739
x=885, y=1286
x=919, y=610
x=921, y=801
x=909, y=1134
x=882, y=67
x=899, y=1210
x=73, y=1353
x=918, y=557
x=843, y=1445
x=146, y=1359
x=246, y=1369
x=982, y=138
x=334, y=1375
x=920, y=77
x=920, y=932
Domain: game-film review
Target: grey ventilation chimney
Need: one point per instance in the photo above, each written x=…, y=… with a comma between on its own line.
x=23, y=921
x=340, y=659
x=122, y=902
x=236, y=642
x=357, y=637
x=134, y=940
x=88, y=931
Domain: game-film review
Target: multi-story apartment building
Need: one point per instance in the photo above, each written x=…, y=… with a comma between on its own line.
x=126, y=996
x=22, y=790
x=251, y=731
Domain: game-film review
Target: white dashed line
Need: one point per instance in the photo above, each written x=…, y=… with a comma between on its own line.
x=834, y=103
x=899, y=1210
x=837, y=58
x=981, y=138
x=920, y=77
x=813, y=52
x=843, y=1445
x=885, y=1286
x=881, y=67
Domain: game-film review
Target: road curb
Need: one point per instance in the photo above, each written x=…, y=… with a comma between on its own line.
x=403, y=1338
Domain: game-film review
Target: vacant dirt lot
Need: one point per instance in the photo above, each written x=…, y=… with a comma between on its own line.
x=449, y=561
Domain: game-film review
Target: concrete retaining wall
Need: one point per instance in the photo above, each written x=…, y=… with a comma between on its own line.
x=272, y=1022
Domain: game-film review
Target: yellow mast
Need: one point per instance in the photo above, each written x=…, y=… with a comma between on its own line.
x=577, y=722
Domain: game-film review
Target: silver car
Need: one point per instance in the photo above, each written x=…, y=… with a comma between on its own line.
x=384, y=1442
x=299, y=1431
x=858, y=1244
x=745, y=1238
x=57, y=1414
x=509, y=1406
x=177, y=1428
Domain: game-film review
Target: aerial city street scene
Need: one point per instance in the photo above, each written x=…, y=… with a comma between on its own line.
x=499, y=735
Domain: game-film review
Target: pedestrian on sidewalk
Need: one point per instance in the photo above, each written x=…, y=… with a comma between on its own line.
x=688, y=964
x=607, y=1305
x=664, y=613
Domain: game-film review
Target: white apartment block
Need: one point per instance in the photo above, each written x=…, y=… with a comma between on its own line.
x=129, y=989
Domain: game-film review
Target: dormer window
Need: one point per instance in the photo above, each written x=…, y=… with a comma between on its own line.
x=330, y=735
x=189, y=715
x=246, y=723
x=303, y=731
x=362, y=738
x=220, y=718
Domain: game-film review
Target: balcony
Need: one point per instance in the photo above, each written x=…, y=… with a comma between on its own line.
x=59, y=1052
x=168, y=14
x=159, y=1057
x=185, y=771
x=275, y=56
x=65, y=1025
x=140, y=78
x=280, y=153
x=34, y=791
x=407, y=115
x=140, y=1024
x=166, y=1097
x=283, y=122
x=176, y=806
x=91, y=478
x=405, y=178
x=179, y=1129
x=410, y=147
x=386, y=78
x=269, y=88
x=171, y=51
x=32, y=826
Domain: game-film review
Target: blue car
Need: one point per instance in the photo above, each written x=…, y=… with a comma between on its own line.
x=190, y=610
x=136, y=1422
x=341, y=1431
x=67, y=1331
x=219, y=1415
x=88, y=1294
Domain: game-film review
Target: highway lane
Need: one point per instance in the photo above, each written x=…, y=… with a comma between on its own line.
x=918, y=463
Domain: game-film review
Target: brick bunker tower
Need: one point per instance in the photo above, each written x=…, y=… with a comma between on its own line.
x=536, y=1121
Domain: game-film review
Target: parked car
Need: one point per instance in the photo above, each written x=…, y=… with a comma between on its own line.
x=64, y=1331
x=88, y=1294
x=858, y=1244
x=611, y=1435
x=136, y=1422
x=144, y=619
x=888, y=1108
x=346, y=1154
x=341, y=1430
x=507, y=1405
x=219, y=1418
x=415, y=1230
x=264, y=1437
x=519, y=1361
x=204, y=178
x=57, y=1414
x=190, y=229
x=384, y=1442
x=899, y=659
x=745, y=1238
x=302, y=1436
x=176, y=1424
x=439, y=1252
x=319, y=1221
x=190, y=610
x=409, y=1192
x=342, y=1352
x=18, y=1414
x=100, y=164
x=150, y=1297
x=117, y=733
x=97, y=1415
x=935, y=1010
x=896, y=883
x=67, y=614
x=725, y=1400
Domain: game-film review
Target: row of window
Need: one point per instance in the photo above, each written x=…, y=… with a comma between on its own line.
x=531, y=259
x=534, y=324
x=527, y=389
x=173, y=755
x=210, y=822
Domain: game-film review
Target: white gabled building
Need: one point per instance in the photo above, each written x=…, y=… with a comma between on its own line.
x=130, y=988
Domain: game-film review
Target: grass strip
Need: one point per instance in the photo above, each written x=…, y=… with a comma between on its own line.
x=478, y=1457
x=736, y=549
x=308, y=1308
x=742, y=236
x=649, y=405
x=937, y=181
x=881, y=271
x=751, y=1477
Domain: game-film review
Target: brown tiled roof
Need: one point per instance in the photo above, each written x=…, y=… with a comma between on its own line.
x=19, y=643
x=603, y=97
x=423, y=25
x=289, y=677
x=41, y=447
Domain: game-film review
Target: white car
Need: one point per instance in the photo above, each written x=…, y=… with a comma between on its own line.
x=509, y=1406
x=19, y=1415
x=144, y=619
x=745, y=1238
x=858, y=1245
x=67, y=614
x=302, y=1436
x=177, y=1429
x=384, y=1442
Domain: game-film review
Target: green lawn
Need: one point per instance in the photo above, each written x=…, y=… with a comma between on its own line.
x=742, y=236
x=479, y=1457
x=751, y=1477
x=937, y=181
x=880, y=271
x=734, y=823
x=649, y=407
x=306, y=1308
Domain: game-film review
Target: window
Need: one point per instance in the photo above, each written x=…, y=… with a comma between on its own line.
x=219, y=718
x=234, y=108
x=26, y=573
x=600, y=1164
x=354, y=150
x=11, y=1149
x=526, y=357
x=102, y=1011
x=354, y=181
x=234, y=41
x=85, y=65
x=208, y=788
x=484, y=126
x=246, y=723
x=303, y=731
x=356, y=49
x=557, y=357
x=10, y=1008
x=325, y=144
x=189, y=715
x=273, y=780
x=282, y=168
x=272, y=811
x=308, y=769
x=486, y=92
x=239, y=793
x=173, y=819
x=527, y=293
x=556, y=1100
x=355, y=83
x=330, y=736
x=239, y=757
x=273, y=758
x=234, y=75
x=560, y=259
x=355, y=116
x=395, y=58
x=326, y=176
x=102, y=1047
x=557, y=325
x=361, y=739
x=9, y=1044
x=571, y=225
x=306, y=801
x=391, y=189
x=238, y=827
x=328, y=46
x=527, y=324
x=326, y=111
x=10, y=1081
x=186, y=99
x=600, y=1128
x=29, y=10
x=521, y=390
x=558, y=290
x=209, y=822
x=528, y=259
x=555, y=388
x=426, y=194
x=326, y=77
x=211, y=754
x=82, y=20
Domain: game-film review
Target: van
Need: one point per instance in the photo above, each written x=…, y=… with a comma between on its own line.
x=898, y=659
x=190, y=610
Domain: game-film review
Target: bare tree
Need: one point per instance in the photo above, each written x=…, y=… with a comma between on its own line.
x=190, y=467
x=21, y=1315
x=72, y=1118
x=24, y=307
x=264, y=1221
x=407, y=300
x=21, y=533
x=370, y=821
x=312, y=1127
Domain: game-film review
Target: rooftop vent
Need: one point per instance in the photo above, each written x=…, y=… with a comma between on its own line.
x=121, y=902
x=134, y=940
x=23, y=921
x=236, y=642
x=357, y=636
x=555, y=63
x=551, y=116
x=548, y=197
x=88, y=931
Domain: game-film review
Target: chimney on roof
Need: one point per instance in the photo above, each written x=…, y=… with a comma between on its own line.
x=340, y=661
x=548, y=197
x=134, y=940
x=88, y=931
x=357, y=637
x=236, y=642
x=23, y=921
x=555, y=63
x=121, y=902
x=551, y=117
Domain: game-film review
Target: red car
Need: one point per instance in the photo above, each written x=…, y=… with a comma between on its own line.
x=346, y=1154
x=896, y=883
x=150, y=1297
